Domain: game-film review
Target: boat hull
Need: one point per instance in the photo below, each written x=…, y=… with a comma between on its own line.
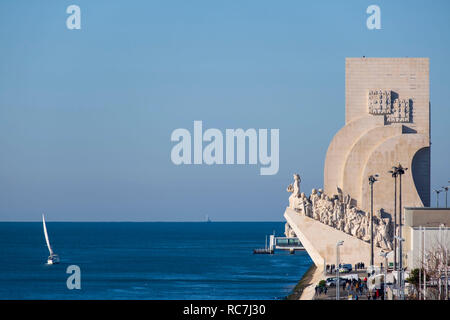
x=53, y=259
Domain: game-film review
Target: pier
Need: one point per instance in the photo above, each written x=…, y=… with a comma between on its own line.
x=280, y=243
x=285, y=243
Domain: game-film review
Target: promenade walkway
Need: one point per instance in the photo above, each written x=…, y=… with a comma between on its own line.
x=344, y=293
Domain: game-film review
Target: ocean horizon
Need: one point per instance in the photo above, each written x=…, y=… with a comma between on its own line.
x=147, y=260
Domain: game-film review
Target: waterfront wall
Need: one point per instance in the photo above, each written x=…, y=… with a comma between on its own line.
x=319, y=240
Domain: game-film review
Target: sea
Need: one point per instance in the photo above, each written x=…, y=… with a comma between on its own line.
x=147, y=260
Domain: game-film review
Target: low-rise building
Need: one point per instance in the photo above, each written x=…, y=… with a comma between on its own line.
x=425, y=230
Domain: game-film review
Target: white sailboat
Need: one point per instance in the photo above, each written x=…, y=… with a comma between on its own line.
x=53, y=257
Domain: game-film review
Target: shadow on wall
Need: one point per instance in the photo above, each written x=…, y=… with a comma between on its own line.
x=406, y=129
x=421, y=174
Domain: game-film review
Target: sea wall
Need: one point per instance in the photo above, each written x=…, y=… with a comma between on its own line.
x=320, y=241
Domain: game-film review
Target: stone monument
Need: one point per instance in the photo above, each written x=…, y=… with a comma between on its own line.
x=387, y=121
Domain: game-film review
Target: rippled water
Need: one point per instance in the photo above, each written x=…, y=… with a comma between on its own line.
x=147, y=261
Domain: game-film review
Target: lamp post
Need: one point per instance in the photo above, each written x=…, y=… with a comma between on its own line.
x=421, y=263
x=446, y=265
x=384, y=255
x=338, y=285
x=446, y=192
x=394, y=175
x=400, y=274
x=372, y=180
x=437, y=197
x=441, y=259
x=444, y=259
x=424, y=266
x=400, y=171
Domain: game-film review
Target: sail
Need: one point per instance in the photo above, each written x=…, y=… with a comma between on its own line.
x=46, y=236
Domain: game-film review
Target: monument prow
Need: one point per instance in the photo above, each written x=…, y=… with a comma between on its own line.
x=320, y=240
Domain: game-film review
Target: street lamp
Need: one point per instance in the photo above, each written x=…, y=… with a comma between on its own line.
x=437, y=197
x=446, y=191
x=384, y=255
x=372, y=180
x=394, y=175
x=338, y=286
x=400, y=171
x=402, y=284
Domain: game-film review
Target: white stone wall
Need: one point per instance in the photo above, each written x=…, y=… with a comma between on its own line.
x=370, y=143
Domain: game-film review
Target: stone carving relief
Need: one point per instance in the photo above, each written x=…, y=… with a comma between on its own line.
x=288, y=232
x=339, y=213
x=381, y=102
x=400, y=111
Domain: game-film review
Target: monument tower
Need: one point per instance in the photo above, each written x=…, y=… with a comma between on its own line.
x=387, y=122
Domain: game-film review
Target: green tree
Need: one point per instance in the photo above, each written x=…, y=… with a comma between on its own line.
x=414, y=278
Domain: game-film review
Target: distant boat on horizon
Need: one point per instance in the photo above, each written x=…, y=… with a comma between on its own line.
x=53, y=258
x=208, y=219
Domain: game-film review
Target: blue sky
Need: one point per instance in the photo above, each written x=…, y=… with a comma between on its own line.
x=86, y=115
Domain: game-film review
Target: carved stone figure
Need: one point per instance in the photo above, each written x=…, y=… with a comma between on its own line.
x=297, y=181
x=294, y=198
x=339, y=213
x=288, y=232
x=383, y=233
